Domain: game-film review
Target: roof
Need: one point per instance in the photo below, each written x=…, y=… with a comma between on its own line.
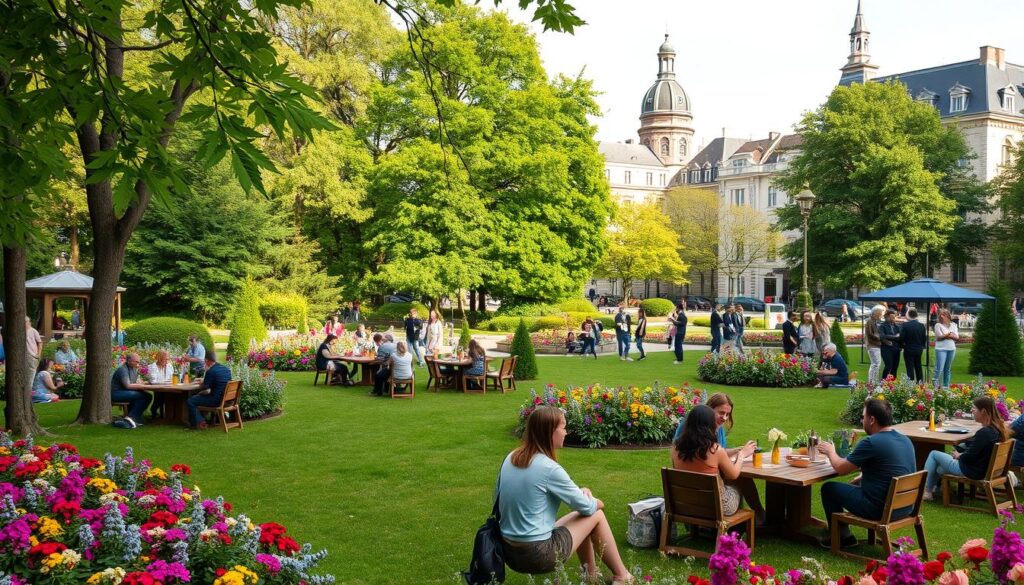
x=984, y=82
x=767, y=150
x=65, y=280
x=715, y=152
x=629, y=154
x=926, y=289
x=666, y=95
x=666, y=47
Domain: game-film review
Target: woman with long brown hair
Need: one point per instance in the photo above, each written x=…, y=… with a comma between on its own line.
x=972, y=463
x=531, y=486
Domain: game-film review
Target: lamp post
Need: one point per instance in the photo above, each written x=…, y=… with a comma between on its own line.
x=805, y=199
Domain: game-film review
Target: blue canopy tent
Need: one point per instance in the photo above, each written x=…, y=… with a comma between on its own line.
x=924, y=290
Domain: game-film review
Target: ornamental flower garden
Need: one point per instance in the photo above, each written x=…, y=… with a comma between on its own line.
x=756, y=368
x=67, y=519
x=597, y=416
x=911, y=401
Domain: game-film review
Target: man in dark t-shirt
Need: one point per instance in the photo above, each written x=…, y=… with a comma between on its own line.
x=833, y=370
x=211, y=390
x=881, y=456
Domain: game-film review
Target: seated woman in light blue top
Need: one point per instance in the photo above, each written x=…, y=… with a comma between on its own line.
x=44, y=389
x=531, y=487
x=65, y=355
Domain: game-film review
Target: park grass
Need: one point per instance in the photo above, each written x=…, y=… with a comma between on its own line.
x=395, y=489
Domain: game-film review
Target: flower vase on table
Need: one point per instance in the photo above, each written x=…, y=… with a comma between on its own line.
x=776, y=436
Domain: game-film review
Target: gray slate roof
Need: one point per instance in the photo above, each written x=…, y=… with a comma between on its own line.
x=983, y=81
x=65, y=280
x=630, y=154
x=715, y=152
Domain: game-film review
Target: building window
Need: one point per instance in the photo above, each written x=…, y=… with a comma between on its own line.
x=682, y=149
x=958, y=272
x=629, y=178
x=739, y=251
x=738, y=196
x=1008, y=102
x=957, y=102
x=707, y=174
x=650, y=178
x=1007, y=158
x=664, y=147
x=739, y=163
x=741, y=286
x=773, y=251
x=773, y=196
x=608, y=175
x=661, y=179
x=961, y=163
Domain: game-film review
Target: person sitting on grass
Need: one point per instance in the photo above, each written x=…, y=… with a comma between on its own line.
x=697, y=449
x=833, y=371
x=531, y=487
x=571, y=345
x=65, y=355
x=972, y=463
x=881, y=456
x=44, y=387
x=211, y=390
x=126, y=387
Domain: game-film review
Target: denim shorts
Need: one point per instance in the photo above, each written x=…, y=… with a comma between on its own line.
x=538, y=557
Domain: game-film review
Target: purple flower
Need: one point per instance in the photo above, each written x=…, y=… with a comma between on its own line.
x=9, y=489
x=174, y=534
x=732, y=552
x=904, y=569
x=1007, y=548
x=164, y=571
x=271, y=562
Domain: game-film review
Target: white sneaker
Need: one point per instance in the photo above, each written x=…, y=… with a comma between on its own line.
x=629, y=359
x=622, y=359
x=1014, y=481
x=928, y=495
x=677, y=362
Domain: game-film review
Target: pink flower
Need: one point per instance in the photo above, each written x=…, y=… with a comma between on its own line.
x=867, y=580
x=1016, y=574
x=958, y=577
x=972, y=543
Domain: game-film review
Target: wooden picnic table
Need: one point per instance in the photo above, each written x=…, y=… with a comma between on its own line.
x=787, y=495
x=175, y=396
x=459, y=366
x=368, y=365
x=950, y=433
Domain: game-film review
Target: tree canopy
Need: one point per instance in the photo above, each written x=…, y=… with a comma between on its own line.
x=642, y=245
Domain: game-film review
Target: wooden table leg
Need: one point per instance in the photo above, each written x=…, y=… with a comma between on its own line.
x=922, y=450
x=175, y=412
x=774, y=506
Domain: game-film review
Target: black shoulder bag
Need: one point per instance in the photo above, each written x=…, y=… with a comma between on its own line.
x=488, y=562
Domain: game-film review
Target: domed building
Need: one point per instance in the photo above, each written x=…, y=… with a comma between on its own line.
x=665, y=116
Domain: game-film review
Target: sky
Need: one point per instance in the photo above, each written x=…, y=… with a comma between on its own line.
x=753, y=67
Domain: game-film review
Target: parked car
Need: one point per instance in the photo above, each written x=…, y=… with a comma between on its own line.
x=697, y=303
x=833, y=307
x=969, y=308
x=399, y=298
x=748, y=303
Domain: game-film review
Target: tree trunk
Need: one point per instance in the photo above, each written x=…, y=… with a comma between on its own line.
x=472, y=300
x=627, y=290
x=19, y=417
x=481, y=302
x=75, y=252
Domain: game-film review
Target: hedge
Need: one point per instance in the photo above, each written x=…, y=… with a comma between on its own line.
x=393, y=311
x=529, y=310
x=246, y=322
x=700, y=321
x=577, y=306
x=756, y=323
x=285, y=311
x=159, y=330
x=657, y=307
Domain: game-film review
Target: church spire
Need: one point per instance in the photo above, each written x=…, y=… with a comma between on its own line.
x=858, y=68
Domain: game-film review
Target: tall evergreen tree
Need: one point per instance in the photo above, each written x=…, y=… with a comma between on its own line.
x=997, y=347
x=522, y=347
x=246, y=322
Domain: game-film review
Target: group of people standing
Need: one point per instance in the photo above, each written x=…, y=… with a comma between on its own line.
x=727, y=328
x=886, y=337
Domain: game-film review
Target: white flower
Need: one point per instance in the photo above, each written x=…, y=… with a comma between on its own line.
x=28, y=458
x=776, y=435
x=156, y=532
x=71, y=558
x=147, y=500
x=111, y=497
x=230, y=522
x=208, y=533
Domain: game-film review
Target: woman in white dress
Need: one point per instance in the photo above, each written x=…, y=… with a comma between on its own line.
x=435, y=330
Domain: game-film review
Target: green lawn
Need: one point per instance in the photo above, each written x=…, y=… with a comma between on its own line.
x=395, y=489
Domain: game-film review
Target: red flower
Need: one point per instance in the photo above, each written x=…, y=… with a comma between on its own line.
x=43, y=550
x=140, y=578
x=932, y=570
x=220, y=572
x=6, y=462
x=182, y=468
x=977, y=555
x=88, y=462
x=68, y=509
x=163, y=518
x=943, y=556
x=845, y=580
x=880, y=575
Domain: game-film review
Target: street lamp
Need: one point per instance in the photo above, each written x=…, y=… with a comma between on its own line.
x=805, y=199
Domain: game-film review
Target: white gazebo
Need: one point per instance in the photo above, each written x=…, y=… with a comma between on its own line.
x=61, y=285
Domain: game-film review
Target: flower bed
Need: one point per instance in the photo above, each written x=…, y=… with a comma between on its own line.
x=71, y=519
x=756, y=368
x=596, y=416
x=296, y=352
x=912, y=401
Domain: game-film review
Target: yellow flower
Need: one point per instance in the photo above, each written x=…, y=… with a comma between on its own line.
x=296, y=353
x=52, y=560
x=238, y=575
x=880, y=396
x=157, y=473
x=993, y=393
x=48, y=527
x=102, y=484
x=911, y=402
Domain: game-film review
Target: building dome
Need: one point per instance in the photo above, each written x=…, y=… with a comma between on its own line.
x=666, y=95
x=666, y=47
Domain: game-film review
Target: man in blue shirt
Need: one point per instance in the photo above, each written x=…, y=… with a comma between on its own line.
x=833, y=370
x=211, y=390
x=195, y=355
x=881, y=456
x=126, y=387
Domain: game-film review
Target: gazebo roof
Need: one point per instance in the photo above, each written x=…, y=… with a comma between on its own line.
x=63, y=281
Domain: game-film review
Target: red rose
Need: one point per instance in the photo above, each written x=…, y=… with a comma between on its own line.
x=88, y=462
x=880, y=575
x=932, y=570
x=220, y=572
x=943, y=556
x=845, y=580
x=163, y=518
x=977, y=554
x=182, y=468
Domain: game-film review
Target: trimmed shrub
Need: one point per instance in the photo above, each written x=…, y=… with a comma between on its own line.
x=657, y=307
x=285, y=311
x=246, y=322
x=526, y=365
x=160, y=330
x=464, y=336
x=549, y=322
x=753, y=323
x=838, y=337
x=997, y=350
x=393, y=311
x=506, y=323
x=529, y=310
x=577, y=306
x=607, y=323
x=700, y=321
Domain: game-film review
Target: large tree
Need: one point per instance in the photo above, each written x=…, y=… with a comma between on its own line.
x=642, y=246
x=747, y=236
x=1009, y=189
x=79, y=59
x=694, y=214
x=889, y=193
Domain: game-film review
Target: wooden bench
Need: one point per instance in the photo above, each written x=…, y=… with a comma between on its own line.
x=904, y=491
x=995, y=478
x=695, y=499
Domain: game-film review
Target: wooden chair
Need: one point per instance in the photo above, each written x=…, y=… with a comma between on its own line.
x=440, y=380
x=904, y=491
x=695, y=499
x=408, y=387
x=995, y=477
x=228, y=403
x=328, y=377
x=123, y=406
x=480, y=380
x=504, y=377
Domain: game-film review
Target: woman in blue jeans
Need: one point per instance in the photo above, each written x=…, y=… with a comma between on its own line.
x=946, y=336
x=973, y=462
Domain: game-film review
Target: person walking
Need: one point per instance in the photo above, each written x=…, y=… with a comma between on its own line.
x=593, y=295
x=716, y=328
x=740, y=322
x=435, y=329
x=889, y=331
x=679, y=320
x=946, y=336
x=913, y=340
x=413, y=329
x=623, y=323
x=641, y=332
x=590, y=336
x=873, y=341
x=790, y=337
x=728, y=329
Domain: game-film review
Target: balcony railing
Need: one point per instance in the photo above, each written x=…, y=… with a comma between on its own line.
x=731, y=171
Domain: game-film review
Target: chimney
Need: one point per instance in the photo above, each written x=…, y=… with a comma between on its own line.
x=773, y=136
x=993, y=56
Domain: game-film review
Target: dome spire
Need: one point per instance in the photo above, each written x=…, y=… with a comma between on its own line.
x=858, y=68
